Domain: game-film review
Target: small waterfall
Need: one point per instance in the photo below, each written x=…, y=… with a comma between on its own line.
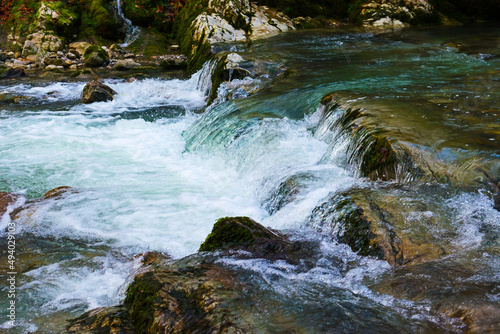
x=204, y=76
x=132, y=32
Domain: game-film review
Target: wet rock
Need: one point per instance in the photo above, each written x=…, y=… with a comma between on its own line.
x=6, y=98
x=245, y=234
x=379, y=223
x=95, y=56
x=458, y=290
x=59, y=192
x=78, y=48
x=12, y=73
x=102, y=320
x=6, y=199
x=125, y=65
x=95, y=91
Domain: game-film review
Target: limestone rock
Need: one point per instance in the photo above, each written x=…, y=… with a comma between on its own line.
x=78, y=48
x=396, y=14
x=125, y=64
x=95, y=91
x=40, y=43
x=53, y=67
x=95, y=56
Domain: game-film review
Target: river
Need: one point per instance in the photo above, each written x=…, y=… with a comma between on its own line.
x=151, y=172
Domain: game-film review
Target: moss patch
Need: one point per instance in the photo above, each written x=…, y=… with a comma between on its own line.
x=229, y=232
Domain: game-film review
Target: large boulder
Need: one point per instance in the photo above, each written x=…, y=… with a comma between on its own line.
x=222, y=22
x=95, y=56
x=95, y=91
x=394, y=13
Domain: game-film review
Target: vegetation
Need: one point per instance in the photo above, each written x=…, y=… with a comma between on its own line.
x=159, y=14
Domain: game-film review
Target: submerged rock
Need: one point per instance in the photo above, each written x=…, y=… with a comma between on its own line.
x=461, y=290
x=95, y=91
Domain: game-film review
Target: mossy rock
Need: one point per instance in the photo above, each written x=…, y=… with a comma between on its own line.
x=243, y=233
x=102, y=320
x=376, y=224
x=95, y=91
x=95, y=56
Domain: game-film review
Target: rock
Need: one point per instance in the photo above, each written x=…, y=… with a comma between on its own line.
x=95, y=91
x=246, y=234
x=40, y=43
x=59, y=192
x=79, y=48
x=394, y=13
x=10, y=55
x=457, y=290
x=54, y=61
x=12, y=73
x=71, y=56
x=33, y=58
x=378, y=223
x=95, y=56
x=125, y=64
x=129, y=55
x=6, y=199
x=6, y=98
x=53, y=67
x=102, y=320
x=20, y=63
x=174, y=62
x=225, y=21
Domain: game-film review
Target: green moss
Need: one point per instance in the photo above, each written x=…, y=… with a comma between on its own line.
x=95, y=48
x=150, y=43
x=97, y=20
x=229, y=232
x=198, y=52
x=142, y=300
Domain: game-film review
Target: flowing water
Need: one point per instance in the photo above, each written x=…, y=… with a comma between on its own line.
x=131, y=31
x=152, y=173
